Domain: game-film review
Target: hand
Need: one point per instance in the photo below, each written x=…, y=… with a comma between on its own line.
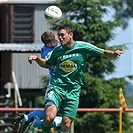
x=118, y=53
x=32, y=57
x=112, y=54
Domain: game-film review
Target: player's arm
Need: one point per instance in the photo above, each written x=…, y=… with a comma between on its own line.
x=40, y=61
x=110, y=53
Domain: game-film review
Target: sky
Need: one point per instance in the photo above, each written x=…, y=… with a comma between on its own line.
x=125, y=63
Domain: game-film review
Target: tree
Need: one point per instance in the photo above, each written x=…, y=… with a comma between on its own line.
x=123, y=11
x=87, y=17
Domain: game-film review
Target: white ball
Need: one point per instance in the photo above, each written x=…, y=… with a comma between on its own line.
x=52, y=14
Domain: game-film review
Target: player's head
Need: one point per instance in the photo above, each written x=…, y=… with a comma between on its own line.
x=49, y=39
x=65, y=34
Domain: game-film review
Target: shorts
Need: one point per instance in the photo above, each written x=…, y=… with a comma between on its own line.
x=66, y=99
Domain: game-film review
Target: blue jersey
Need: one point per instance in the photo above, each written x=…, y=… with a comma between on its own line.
x=45, y=54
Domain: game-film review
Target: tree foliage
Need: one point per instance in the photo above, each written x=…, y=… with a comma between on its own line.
x=123, y=11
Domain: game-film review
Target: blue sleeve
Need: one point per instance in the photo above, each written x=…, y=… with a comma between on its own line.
x=43, y=52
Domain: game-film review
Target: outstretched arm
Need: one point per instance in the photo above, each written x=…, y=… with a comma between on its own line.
x=110, y=53
x=40, y=61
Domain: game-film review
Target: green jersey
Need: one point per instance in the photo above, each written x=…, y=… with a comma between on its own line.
x=71, y=63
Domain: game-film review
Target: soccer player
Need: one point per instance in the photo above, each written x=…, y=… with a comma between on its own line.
x=64, y=89
x=34, y=119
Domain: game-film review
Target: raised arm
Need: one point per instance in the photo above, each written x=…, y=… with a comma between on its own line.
x=110, y=53
x=40, y=61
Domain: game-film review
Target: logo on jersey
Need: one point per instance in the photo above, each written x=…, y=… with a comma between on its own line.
x=48, y=55
x=68, y=56
x=68, y=66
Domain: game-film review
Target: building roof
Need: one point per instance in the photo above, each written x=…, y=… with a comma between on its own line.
x=22, y=48
x=28, y=1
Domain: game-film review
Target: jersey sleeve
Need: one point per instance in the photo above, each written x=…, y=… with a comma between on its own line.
x=93, y=50
x=42, y=52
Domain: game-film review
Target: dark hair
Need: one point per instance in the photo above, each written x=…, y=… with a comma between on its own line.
x=67, y=27
x=47, y=37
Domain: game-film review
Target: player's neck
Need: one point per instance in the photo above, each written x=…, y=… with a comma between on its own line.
x=69, y=45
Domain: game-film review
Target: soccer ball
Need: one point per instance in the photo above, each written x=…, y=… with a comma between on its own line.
x=52, y=14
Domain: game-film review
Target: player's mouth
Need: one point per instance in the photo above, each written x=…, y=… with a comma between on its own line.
x=61, y=41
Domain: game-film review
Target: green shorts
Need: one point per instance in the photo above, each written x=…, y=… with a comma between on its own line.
x=66, y=99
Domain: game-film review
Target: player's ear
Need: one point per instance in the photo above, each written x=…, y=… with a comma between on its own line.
x=71, y=34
